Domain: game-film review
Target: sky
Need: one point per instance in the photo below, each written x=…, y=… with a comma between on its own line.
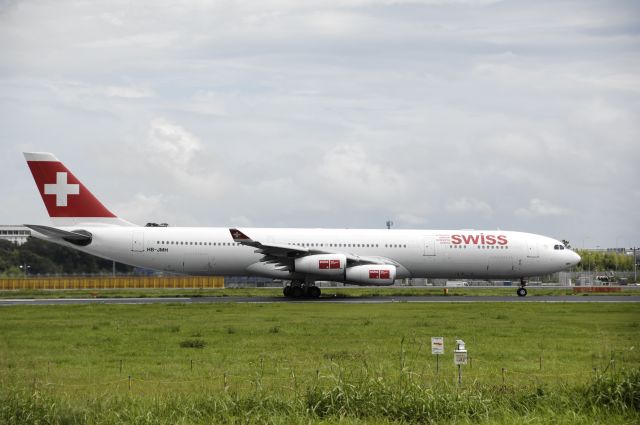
x=513, y=115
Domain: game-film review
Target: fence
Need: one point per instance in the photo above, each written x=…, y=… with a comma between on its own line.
x=192, y=374
x=119, y=282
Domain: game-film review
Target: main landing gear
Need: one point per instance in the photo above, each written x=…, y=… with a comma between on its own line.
x=522, y=291
x=297, y=290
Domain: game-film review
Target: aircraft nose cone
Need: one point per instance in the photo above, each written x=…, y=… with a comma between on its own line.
x=576, y=259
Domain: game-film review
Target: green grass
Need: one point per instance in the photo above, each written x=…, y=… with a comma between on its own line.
x=277, y=292
x=284, y=363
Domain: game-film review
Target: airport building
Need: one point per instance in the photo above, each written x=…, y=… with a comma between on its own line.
x=14, y=234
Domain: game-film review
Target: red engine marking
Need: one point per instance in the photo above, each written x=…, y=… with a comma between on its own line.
x=385, y=274
x=323, y=264
x=374, y=274
x=334, y=264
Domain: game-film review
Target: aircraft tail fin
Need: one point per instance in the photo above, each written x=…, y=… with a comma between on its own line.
x=68, y=201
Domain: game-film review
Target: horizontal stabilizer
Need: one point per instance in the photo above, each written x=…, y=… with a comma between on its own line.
x=78, y=237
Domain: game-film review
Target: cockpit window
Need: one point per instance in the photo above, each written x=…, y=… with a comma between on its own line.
x=558, y=247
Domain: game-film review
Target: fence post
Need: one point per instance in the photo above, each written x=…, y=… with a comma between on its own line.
x=129, y=382
x=226, y=386
x=503, y=370
x=295, y=384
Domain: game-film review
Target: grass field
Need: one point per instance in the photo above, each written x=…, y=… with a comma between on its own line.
x=277, y=292
x=320, y=363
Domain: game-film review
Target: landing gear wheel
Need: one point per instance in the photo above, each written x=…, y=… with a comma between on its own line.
x=296, y=292
x=287, y=291
x=522, y=292
x=314, y=292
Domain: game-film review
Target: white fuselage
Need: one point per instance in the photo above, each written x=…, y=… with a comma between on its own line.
x=417, y=253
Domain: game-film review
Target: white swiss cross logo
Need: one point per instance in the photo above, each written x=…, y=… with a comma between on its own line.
x=61, y=189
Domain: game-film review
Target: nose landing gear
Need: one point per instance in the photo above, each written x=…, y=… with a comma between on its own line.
x=522, y=291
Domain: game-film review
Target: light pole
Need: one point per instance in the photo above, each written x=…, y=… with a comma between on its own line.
x=25, y=268
x=617, y=251
x=635, y=265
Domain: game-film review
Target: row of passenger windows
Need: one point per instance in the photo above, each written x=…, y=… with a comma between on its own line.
x=480, y=247
x=331, y=245
x=347, y=245
x=197, y=243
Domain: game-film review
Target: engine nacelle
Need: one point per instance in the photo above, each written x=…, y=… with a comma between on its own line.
x=322, y=265
x=372, y=274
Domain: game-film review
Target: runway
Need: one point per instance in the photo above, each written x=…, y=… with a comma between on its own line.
x=337, y=300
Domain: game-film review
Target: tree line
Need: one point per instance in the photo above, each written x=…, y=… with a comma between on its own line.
x=45, y=258
x=597, y=261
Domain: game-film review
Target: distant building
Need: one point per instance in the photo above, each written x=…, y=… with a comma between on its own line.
x=15, y=234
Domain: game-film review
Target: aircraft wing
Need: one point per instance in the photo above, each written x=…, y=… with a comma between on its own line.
x=283, y=256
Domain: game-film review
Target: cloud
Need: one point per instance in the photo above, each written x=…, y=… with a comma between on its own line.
x=170, y=142
x=540, y=208
x=142, y=209
x=343, y=114
x=179, y=162
x=468, y=205
x=349, y=172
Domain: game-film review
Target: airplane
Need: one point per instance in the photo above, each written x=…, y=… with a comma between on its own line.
x=299, y=257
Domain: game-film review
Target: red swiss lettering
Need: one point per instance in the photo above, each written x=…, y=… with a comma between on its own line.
x=470, y=239
x=481, y=239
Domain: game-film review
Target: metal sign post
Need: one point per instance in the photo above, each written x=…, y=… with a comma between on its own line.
x=437, y=348
x=460, y=358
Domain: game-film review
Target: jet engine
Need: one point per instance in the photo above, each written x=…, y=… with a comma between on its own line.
x=322, y=265
x=372, y=274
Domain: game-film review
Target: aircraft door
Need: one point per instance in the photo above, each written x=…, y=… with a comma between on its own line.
x=429, y=245
x=532, y=249
x=516, y=264
x=137, y=242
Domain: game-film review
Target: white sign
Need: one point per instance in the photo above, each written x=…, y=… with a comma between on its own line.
x=437, y=345
x=460, y=357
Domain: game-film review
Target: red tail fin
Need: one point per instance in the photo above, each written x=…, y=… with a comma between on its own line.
x=67, y=200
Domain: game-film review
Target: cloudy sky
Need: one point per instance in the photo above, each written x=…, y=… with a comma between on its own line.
x=520, y=115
